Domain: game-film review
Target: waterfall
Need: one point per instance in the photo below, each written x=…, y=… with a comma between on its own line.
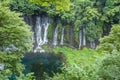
x=38, y=31
x=92, y=45
x=41, y=31
x=45, y=26
x=55, y=35
x=80, y=39
x=40, y=27
x=84, y=38
x=62, y=37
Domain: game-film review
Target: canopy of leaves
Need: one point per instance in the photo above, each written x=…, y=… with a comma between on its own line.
x=109, y=67
x=88, y=17
x=25, y=7
x=112, y=41
x=15, y=38
x=59, y=4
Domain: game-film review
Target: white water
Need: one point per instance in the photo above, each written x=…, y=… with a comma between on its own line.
x=38, y=31
x=42, y=25
x=80, y=39
x=41, y=34
x=45, y=26
x=62, y=37
x=84, y=37
x=92, y=45
x=1, y=66
x=55, y=36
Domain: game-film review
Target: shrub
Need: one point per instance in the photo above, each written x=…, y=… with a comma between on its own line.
x=80, y=64
x=73, y=72
x=109, y=69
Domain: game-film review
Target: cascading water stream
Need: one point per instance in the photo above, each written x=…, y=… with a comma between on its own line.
x=62, y=37
x=41, y=32
x=45, y=26
x=80, y=39
x=84, y=38
x=92, y=45
x=38, y=31
x=55, y=35
x=40, y=27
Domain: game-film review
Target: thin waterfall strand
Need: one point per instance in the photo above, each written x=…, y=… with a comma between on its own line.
x=55, y=36
x=62, y=37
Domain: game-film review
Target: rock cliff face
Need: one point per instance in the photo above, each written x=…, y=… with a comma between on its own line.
x=52, y=32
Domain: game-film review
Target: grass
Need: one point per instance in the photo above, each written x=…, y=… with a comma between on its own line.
x=83, y=58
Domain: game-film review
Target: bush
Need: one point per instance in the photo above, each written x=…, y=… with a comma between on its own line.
x=110, y=42
x=109, y=69
x=80, y=64
x=14, y=40
x=73, y=72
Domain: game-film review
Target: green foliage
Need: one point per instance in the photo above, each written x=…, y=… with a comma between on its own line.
x=68, y=16
x=11, y=26
x=25, y=7
x=93, y=31
x=111, y=8
x=110, y=42
x=88, y=17
x=14, y=40
x=81, y=64
x=29, y=76
x=105, y=67
x=11, y=61
x=50, y=30
x=59, y=4
x=79, y=57
x=110, y=12
x=70, y=73
x=95, y=15
x=109, y=68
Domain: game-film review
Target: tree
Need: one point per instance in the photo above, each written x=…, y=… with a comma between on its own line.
x=110, y=42
x=87, y=22
x=109, y=67
x=110, y=11
x=15, y=38
x=24, y=6
x=59, y=4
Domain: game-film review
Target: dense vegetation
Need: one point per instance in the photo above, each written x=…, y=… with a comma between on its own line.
x=93, y=17
x=89, y=65
x=97, y=17
x=14, y=40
